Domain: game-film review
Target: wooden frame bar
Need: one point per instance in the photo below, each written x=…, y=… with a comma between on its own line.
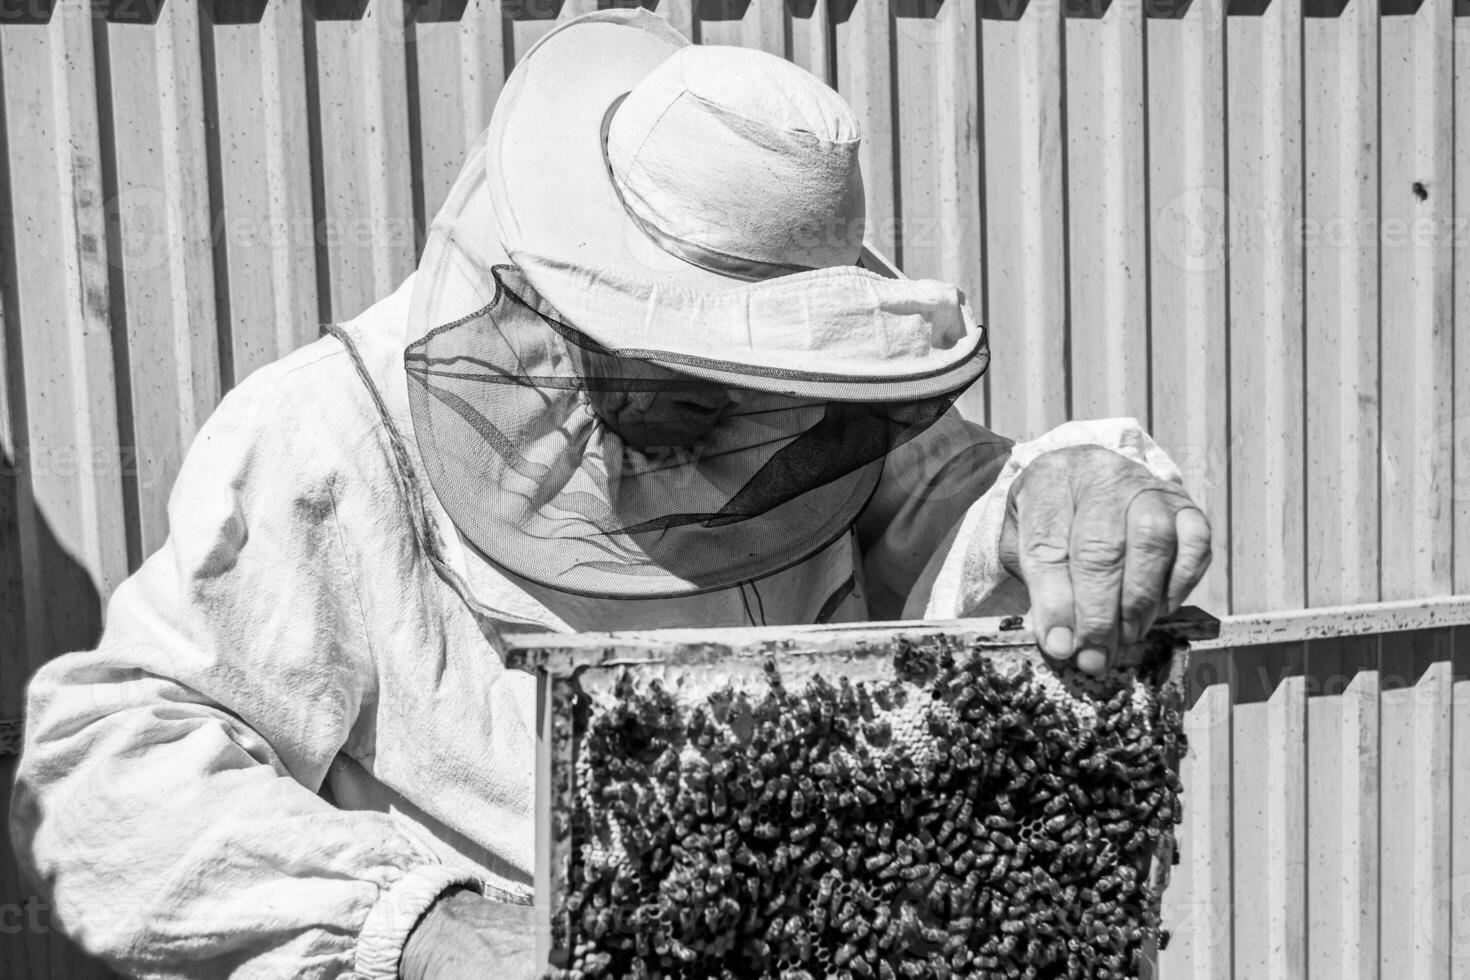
x=564, y=653
x=1331, y=621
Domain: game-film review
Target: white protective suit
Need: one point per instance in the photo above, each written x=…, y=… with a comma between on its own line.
x=295, y=735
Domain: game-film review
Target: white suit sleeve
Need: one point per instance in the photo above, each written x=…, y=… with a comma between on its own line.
x=166, y=799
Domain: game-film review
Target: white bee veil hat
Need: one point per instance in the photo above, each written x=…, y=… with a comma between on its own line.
x=648, y=217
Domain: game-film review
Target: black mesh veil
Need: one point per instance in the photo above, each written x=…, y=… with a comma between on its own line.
x=601, y=474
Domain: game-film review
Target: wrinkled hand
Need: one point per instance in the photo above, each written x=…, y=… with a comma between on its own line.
x=1104, y=547
x=465, y=936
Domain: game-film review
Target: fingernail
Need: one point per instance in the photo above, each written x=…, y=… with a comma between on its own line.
x=1130, y=632
x=1091, y=660
x=1059, y=642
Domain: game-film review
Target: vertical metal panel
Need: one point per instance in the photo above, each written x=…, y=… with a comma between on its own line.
x=1414, y=854
x=1457, y=887
x=1187, y=265
x=812, y=37
x=545, y=869
x=1286, y=892
x=1416, y=194
x=1026, y=220
x=747, y=23
x=937, y=76
x=865, y=80
x=1265, y=182
x=62, y=446
x=17, y=510
x=1267, y=809
x=459, y=68
x=1432, y=871
x=263, y=234
x=1342, y=819
x=163, y=249
x=1198, y=905
x=1396, y=828
x=1460, y=236
x=1341, y=232
x=1328, y=798
x=1107, y=213
x=367, y=225
x=1361, y=775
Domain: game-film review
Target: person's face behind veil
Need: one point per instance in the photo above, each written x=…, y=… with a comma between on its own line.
x=653, y=408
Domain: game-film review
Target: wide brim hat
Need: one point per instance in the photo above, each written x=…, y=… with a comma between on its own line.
x=537, y=192
x=536, y=262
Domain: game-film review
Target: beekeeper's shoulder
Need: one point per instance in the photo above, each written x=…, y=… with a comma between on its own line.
x=315, y=402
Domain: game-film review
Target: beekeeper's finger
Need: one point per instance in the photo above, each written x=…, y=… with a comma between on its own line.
x=1043, y=521
x=1097, y=547
x=1192, y=555
x=1149, y=555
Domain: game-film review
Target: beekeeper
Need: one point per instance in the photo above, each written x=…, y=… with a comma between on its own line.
x=644, y=376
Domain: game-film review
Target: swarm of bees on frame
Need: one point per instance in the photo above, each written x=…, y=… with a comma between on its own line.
x=965, y=819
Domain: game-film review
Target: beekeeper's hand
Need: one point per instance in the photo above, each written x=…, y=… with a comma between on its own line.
x=465, y=936
x=1104, y=547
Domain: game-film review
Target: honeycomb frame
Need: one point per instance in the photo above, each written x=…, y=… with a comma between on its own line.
x=583, y=675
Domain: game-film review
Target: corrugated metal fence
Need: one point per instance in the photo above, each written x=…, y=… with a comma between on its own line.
x=1327, y=799
x=1234, y=219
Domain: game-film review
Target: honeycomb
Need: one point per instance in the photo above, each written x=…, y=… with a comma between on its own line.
x=962, y=816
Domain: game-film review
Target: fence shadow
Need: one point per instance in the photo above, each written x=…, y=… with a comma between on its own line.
x=1328, y=665
x=66, y=610
x=65, y=615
